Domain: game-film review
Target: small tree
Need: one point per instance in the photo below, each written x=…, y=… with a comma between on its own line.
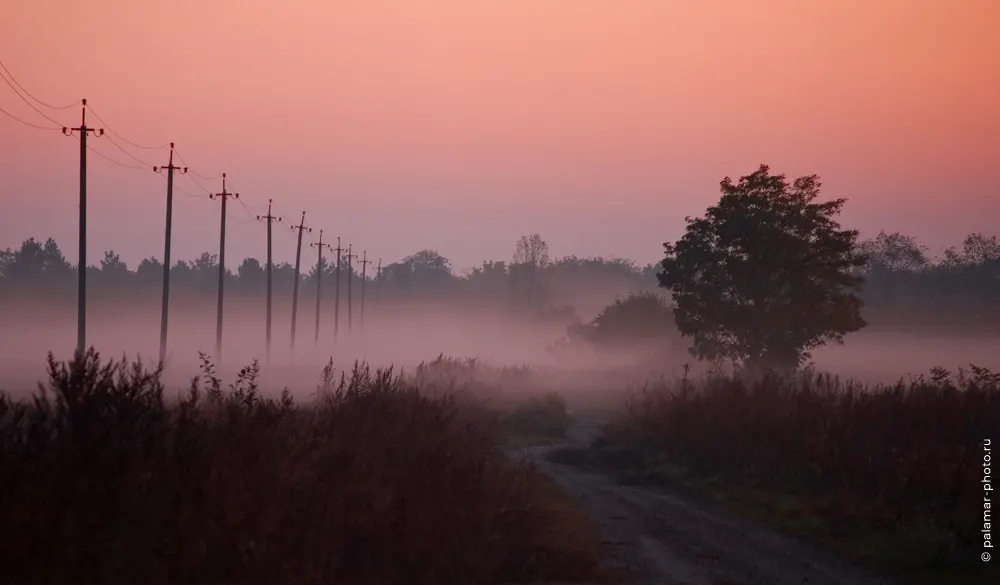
x=637, y=318
x=531, y=254
x=767, y=274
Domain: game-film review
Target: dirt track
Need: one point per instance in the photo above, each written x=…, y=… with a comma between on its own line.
x=671, y=540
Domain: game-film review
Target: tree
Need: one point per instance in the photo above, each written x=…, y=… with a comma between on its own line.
x=531, y=254
x=36, y=267
x=149, y=273
x=893, y=261
x=532, y=250
x=426, y=271
x=766, y=275
x=637, y=318
x=894, y=252
x=113, y=272
x=250, y=275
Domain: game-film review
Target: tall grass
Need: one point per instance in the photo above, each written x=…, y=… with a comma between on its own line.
x=903, y=461
x=102, y=479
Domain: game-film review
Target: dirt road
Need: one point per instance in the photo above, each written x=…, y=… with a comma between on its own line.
x=671, y=540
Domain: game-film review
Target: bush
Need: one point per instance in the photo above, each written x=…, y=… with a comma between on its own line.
x=540, y=416
x=901, y=459
x=637, y=318
x=102, y=481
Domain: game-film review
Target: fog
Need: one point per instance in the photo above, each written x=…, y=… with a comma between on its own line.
x=405, y=334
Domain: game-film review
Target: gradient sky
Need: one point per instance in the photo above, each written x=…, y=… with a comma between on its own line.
x=460, y=125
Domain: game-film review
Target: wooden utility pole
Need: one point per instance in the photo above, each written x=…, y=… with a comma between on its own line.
x=319, y=278
x=267, y=272
x=295, y=288
x=166, y=249
x=364, y=277
x=224, y=196
x=350, y=287
x=378, y=283
x=81, y=268
x=336, y=301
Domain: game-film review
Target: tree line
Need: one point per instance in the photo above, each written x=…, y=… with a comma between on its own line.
x=900, y=282
x=530, y=279
x=901, y=276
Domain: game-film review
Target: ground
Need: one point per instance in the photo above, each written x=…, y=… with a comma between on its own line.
x=673, y=539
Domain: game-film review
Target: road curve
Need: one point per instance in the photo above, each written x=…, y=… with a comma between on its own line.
x=670, y=540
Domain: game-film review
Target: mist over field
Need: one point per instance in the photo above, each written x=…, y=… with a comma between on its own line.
x=404, y=333
x=719, y=372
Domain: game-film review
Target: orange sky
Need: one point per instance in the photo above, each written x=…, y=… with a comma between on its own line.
x=462, y=124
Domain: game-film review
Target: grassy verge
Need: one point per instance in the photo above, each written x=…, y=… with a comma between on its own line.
x=540, y=420
x=102, y=479
x=889, y=477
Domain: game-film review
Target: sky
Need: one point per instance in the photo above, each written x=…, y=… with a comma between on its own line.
x=460, y=125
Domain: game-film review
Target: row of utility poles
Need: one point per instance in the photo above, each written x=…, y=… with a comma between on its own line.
x=224, y=196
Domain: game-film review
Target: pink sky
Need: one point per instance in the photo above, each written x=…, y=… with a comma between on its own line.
x=460, y=125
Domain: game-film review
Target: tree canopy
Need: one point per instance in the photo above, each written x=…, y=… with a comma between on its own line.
x=767, y=274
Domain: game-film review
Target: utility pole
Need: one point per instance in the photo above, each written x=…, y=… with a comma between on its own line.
x=225, y=195
x=81, y=268
x=319, y=278
x=295, y=288
x=336, y=302
x=166, y=249
x=350, y=287
x=364, y=276
x=378, y=283
x=267, y=271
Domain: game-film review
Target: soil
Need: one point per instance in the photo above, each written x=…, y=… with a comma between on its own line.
x=672, y=539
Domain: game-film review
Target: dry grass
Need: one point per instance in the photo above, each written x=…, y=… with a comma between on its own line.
x=102, y=480
x=889, y=474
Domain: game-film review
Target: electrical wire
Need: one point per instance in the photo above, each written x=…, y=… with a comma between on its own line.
x=109, y=159
x=252, y=215
x=27, y=101
x=181, y=190
x=200, y=186
x=127, y=153
x=191, y=171
x=126, y=140
x=16, y=119
x=28, y=93
x=197, y=182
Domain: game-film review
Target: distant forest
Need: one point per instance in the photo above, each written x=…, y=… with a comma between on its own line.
x=904, y=287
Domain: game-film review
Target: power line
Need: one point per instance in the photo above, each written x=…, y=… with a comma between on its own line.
x=247, y=210
x=111, y=160
x=27, y=101
x=127, y=153
x=194, y=174
x=108, y=128
x=182, y=191
x=28, y=93
x=198, y=184
x=16, y=119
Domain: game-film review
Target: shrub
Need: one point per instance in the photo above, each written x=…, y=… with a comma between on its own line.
x=542, y=416
x=101, y=480
x=637, y=318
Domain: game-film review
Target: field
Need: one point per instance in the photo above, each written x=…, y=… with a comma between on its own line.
x=379, y=479
x=890, y=477
x=376, y=475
